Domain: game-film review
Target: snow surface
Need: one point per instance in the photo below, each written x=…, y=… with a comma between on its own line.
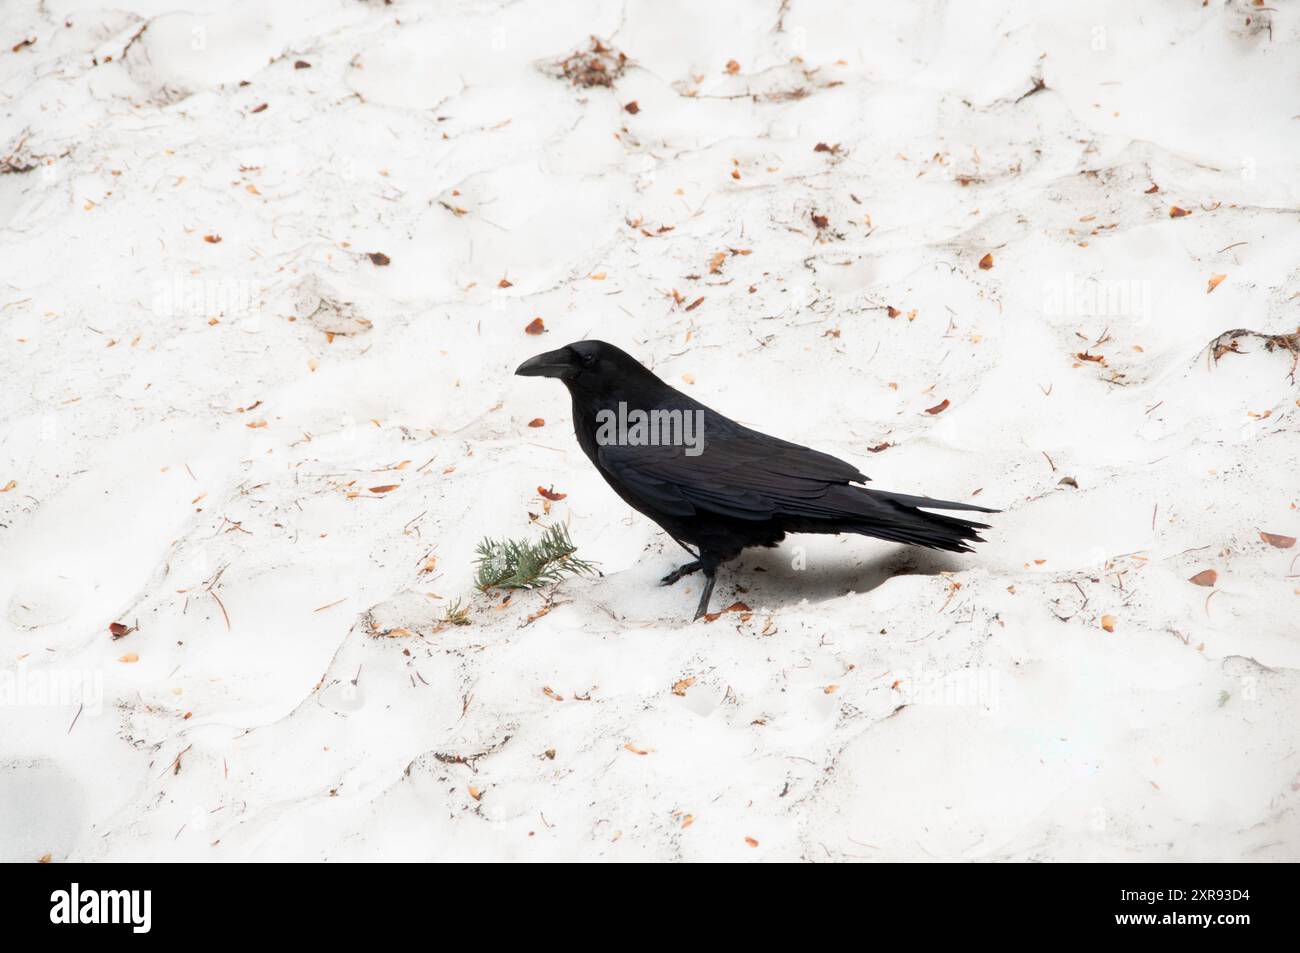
x=192, y=428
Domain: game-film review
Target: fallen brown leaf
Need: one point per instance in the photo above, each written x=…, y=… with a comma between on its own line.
x=1281, y=542
x=386, y=488
x=537, y=422
x=1214, y=282
x=939, y=407
x=378, y=258
x=734, y=607
x=550, y=494
x=1206, y=577
x=1108, y=623
x=986, y=262
x=535, y=326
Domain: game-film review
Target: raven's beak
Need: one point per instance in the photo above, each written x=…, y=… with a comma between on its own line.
x=550, y=364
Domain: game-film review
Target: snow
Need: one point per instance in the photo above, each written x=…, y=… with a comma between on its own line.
x=192, y=428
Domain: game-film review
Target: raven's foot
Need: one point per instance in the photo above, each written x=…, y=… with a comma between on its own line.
x=709, y=574
x=680, y=571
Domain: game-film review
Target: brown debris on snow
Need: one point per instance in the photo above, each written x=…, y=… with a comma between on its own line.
x=598, y=65
x=1227, y=341
x=1273, y=539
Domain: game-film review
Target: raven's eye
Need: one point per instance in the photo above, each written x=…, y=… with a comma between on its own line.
x=587, y=359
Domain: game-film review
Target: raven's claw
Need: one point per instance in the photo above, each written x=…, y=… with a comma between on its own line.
x=680, y=571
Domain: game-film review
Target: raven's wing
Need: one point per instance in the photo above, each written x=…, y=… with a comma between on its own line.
x=747, y=475
x=740, y=473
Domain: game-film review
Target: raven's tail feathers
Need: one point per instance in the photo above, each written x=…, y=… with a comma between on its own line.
x=905, y=519
x=924, y=501
x=893, y=516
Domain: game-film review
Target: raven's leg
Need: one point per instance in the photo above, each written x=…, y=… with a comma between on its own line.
x=709, y=564
x=680, y=571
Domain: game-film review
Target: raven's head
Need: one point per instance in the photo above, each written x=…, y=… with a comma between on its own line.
x=586, y=365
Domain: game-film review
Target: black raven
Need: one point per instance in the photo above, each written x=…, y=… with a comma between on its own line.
x=717, y=485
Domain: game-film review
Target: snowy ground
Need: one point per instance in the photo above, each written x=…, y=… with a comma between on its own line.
x=259, y=260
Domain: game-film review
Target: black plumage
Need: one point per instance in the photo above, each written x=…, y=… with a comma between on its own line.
x=734, y=487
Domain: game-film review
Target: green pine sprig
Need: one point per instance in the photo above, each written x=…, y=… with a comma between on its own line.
x=521, y=564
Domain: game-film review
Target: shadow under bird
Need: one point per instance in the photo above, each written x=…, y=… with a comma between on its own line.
x=716, y=485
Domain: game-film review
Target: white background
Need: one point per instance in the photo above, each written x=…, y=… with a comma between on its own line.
x=880, y=703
